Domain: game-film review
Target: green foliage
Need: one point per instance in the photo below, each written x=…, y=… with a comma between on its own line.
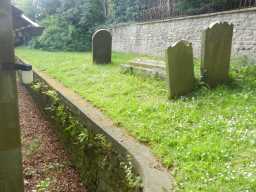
x=43, y=185
x=68, y=24
x=195, y=6
x=29, y=7
x=47, y=8
x=91, y=152
x=56, y=36
x=133, y=181
x=208, y=139
x=124, y=10
x=32, y=147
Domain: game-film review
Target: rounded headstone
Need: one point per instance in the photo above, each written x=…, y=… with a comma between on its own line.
x=102, y=46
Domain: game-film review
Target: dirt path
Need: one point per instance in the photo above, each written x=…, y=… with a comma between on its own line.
x=46, y=165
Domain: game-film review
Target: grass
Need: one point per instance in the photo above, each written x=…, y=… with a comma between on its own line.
x=208, y=139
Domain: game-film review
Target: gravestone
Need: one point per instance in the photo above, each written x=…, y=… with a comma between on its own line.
x=102, y=46
x=216, y=53
x=180, y=69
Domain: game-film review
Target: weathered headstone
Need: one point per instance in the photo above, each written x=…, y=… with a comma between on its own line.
x=180, y=69
x=216, y=53
x=102, y=46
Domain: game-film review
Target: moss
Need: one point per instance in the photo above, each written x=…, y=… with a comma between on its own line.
x=101, y=167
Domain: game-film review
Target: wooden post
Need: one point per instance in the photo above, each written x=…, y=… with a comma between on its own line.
x=11, y=179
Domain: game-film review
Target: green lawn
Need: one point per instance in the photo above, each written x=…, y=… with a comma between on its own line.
x=208, y=140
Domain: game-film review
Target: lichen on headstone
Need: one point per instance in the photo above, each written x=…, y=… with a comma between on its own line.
x=180, y=69
x=216, y=53
x=102, y=47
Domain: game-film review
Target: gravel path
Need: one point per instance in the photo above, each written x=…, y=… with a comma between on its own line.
x=46, y=165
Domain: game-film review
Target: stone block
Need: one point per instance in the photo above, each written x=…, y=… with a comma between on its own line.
x=102, y=47
x=180, y=69
x=216, y=53
x=145, y=67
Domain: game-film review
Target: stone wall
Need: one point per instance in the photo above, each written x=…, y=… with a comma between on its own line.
x=154, y=37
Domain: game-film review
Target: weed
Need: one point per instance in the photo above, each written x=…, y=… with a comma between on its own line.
x=43, y=186
x=32, y=147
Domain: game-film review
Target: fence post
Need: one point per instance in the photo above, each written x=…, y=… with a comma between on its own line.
x=11, y=179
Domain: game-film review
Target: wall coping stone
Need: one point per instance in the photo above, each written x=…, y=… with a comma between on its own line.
x=155, y=177
x=253, y=9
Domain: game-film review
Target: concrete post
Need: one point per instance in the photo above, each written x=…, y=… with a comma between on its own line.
x=11, y=179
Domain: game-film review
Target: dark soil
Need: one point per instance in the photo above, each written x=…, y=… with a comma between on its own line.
x=47, y=167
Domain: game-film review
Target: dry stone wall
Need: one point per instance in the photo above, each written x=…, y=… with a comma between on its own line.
x=154, y=37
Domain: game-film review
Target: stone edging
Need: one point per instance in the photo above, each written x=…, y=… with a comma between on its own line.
x=154, y=176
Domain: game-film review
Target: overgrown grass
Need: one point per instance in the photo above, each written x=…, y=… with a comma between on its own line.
x=207, y=139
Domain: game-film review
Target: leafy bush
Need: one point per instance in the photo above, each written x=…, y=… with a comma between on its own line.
x=56, y=36
x=70, y=27
x=60, y=35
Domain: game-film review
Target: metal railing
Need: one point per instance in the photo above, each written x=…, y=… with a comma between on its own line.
x=165, y=12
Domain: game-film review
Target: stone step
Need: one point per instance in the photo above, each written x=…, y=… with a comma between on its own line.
x=151, y=64
x=141, y=70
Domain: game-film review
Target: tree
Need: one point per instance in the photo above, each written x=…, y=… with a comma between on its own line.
x=197, y=5
x=70, y=25
x=124, y=10
x=27, y=6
